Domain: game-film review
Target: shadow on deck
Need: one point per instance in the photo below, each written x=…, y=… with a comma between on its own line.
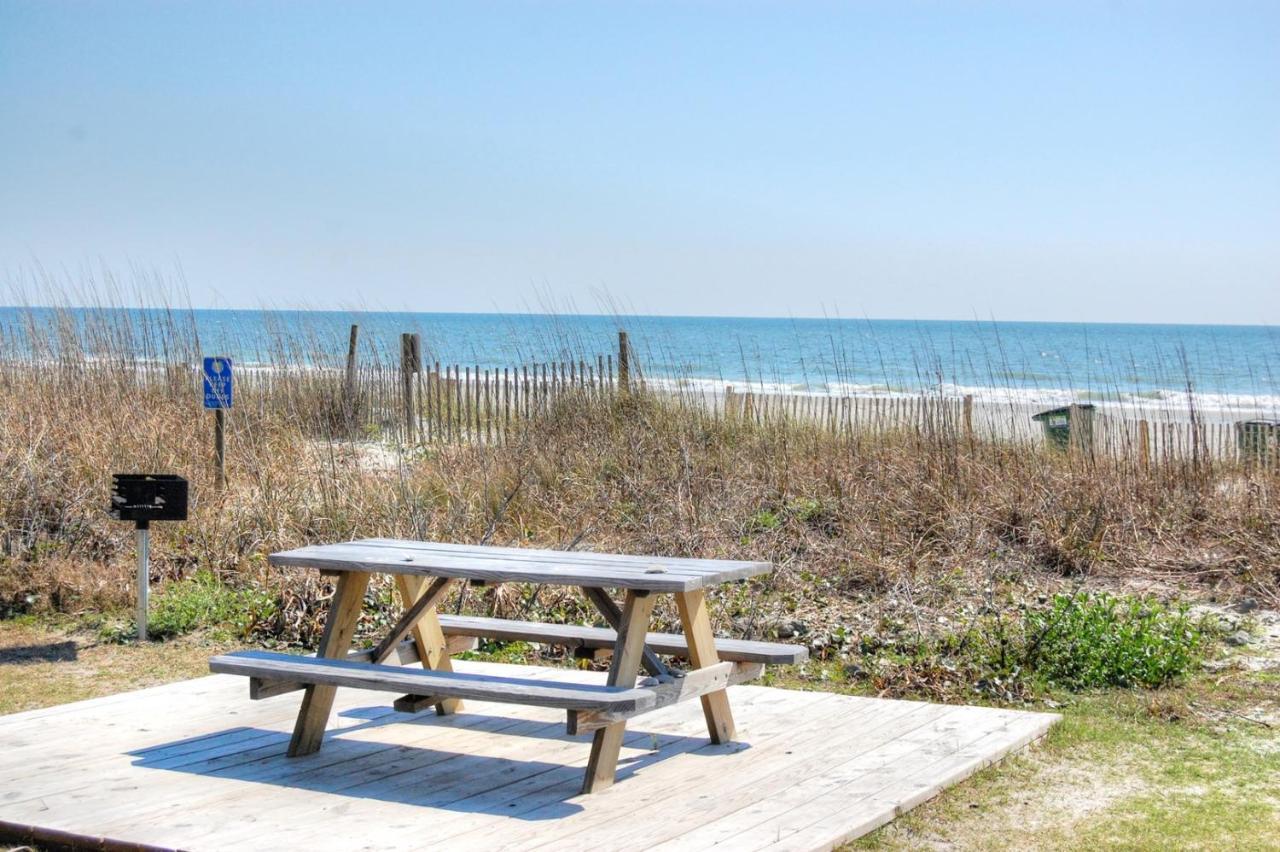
x=401, y=769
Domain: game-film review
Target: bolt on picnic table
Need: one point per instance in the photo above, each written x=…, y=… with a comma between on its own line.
x=424, y=571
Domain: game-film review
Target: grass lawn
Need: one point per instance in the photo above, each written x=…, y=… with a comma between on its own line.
x=1193, y=766
x=52, y=662
x=1181, y=768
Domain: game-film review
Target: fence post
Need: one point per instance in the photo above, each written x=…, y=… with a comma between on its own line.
x=436, y=388
x=349, y=387
x=968, y=417
x=410, y=364
x=1144, y=445
x=624, y=362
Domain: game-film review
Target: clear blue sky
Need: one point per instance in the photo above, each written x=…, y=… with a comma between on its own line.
x=1075, y=161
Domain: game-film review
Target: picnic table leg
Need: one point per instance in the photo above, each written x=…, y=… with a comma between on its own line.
x=339, y=629
x=702, y=653
x=428, y=636
x=627, y=653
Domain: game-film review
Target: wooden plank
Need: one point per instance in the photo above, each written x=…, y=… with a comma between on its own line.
x=403, y=654
x=702, y=653
x=718, y=571
x=265, y=767
x=602, y=765
x=433, y=649
x=878, y=786
x=463, y=789
x=613, y=615
x=334, y=673
x=517, y=565
x=492, y=777
x=356, y=759
x=669, y=690
x=896, y=791
x=339, y=629
x=578, y=636
x=889, y=747
x=391, y=561
x=541, y=800
x=691, y=781
x=569, y=557
x=521, y=758
x=414, y=612
x=276, y=767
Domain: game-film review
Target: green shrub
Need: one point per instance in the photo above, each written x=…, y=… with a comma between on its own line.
x=494, y=651
x=1071, y=641
x=1085, y=640
x=202, y=600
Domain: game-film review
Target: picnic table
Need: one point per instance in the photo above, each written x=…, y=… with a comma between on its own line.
x=424, y=571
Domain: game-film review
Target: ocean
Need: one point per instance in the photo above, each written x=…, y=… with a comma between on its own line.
x=1227, y=368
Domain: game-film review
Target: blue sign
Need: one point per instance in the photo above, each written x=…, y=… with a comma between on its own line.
x=217, y=382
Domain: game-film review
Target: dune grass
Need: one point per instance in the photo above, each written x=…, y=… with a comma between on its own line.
x=886, y=535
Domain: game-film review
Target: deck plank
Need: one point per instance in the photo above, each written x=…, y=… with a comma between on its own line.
x=847, y=778
x=171, y=766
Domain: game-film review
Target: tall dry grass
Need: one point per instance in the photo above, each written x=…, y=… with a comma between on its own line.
x=863, y=526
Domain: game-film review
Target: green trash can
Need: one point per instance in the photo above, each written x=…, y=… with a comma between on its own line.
x=1059, y=423
x=1257, y=439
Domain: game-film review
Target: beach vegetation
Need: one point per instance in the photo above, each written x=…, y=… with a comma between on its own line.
x=201, y=601
x=1026, y=650
x=878, y=535
x=923, y=564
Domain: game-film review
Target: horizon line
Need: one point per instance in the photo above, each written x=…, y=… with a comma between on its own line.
x=638, y=316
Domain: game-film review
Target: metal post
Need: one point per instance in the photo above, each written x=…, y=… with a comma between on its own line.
x=220, y=446
x=144, y=576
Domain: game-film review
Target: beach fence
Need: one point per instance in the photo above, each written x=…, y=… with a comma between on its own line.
x=401, y=394
x=1143, y=438
x=419, y=401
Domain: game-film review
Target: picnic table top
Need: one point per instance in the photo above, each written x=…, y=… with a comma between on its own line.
x=520, y=565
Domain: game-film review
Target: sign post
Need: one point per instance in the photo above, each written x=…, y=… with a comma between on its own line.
x=217, y=396
x=143, y=498
x=142, y=535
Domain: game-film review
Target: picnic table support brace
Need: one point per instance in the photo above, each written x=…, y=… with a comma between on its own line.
x=613, y=616
x=606, y=743
x=339, y=629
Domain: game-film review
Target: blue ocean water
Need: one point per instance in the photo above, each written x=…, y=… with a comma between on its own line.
x=1222, y=366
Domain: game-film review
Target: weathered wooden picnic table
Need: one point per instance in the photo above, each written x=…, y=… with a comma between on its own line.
x=425, y=570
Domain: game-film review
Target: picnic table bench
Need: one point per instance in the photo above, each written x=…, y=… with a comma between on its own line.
x=425, y=570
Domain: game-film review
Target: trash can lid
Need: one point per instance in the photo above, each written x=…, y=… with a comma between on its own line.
x=1054, y=412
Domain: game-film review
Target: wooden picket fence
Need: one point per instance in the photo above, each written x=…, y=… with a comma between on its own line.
x=417, y=403
x=1145, y=441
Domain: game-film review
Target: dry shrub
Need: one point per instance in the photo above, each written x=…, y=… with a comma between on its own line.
x=868, y=520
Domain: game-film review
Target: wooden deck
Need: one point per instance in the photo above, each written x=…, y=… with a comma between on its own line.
x=196, y=765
